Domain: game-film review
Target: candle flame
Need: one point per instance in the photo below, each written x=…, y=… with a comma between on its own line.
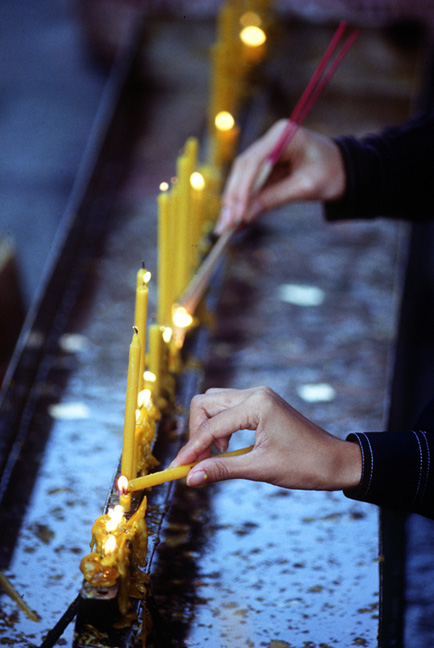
x=149, y=376
x=197, y=181
x=181, y=317
x=144, y=398
x=253, y=36
x=164, y=186
x=250, y=18
x=146, y=277
x=224, y=120
x=122, y=485
x=167, y=334
x=115, y=514
x=110, y=544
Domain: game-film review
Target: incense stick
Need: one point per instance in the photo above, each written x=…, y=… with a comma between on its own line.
x=319, y=80
x=170, y=474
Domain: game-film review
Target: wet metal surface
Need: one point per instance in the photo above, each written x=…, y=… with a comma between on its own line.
x=240, y=563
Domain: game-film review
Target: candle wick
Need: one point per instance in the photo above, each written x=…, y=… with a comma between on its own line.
x=143, y=264
x=136, y=330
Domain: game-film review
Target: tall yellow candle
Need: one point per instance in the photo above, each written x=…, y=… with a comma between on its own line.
x=165, y=295
x=140, y=317
x=197, y=182
x=182, y=220
x=127, y=467
x=173, y=247
x=155, y=359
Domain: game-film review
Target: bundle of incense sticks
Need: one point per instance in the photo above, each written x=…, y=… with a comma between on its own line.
x=318, y=82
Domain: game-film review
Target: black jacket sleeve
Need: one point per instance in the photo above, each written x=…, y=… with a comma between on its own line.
x=390, y=174
x=397, y=470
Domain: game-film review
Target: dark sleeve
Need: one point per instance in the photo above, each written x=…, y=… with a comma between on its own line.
x=396, y=470
x=389, y=174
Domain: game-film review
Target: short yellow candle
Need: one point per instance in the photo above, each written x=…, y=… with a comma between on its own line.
x=127, y=467
x=171, y=474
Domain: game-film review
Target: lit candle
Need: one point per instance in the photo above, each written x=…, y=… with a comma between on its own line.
x=127, y=467
x=253, y=38
x=170, y=474
x=226, y=137
x=197, y=182
x=164, y=266
x=140, y=317
x=143, y=275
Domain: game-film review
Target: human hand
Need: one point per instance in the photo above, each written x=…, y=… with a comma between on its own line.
x=309, y=168
x=289, y=450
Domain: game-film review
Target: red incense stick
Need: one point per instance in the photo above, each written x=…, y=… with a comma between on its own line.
x=315, y=87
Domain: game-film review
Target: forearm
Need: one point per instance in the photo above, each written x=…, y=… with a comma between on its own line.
x=388, y=174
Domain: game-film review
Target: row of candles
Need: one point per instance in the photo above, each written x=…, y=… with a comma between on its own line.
x=188, y=207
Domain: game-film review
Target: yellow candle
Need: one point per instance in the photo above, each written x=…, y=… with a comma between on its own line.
x=182, y=220
x=165, y=295
x=197, y=182
x=140, y=317
x=173, y=248
x=155, y=359
x=175, y=473
x=127, y=467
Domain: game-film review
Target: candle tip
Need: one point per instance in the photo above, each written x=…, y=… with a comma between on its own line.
x=122, y=485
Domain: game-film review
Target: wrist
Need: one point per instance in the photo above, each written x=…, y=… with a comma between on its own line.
x=348, y=466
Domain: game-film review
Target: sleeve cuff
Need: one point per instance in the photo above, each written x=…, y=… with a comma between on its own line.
x=395, y=470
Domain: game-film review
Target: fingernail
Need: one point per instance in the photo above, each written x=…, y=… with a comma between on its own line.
x=220, y=446
x=197, y=478
x=224, y=219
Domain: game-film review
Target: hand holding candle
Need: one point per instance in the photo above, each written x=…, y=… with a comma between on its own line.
x=170, y=474
x=289, y=450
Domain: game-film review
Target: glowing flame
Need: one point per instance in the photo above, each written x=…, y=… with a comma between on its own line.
x=253, y=36
x=181, y=318
x=122, y=485
x=224, y=120
x=197, y=181
x=115, y=515
x=250, y=18
x=110, y=544
x=167, y=334
x=164, y=186
x=146, y=277
x=149, y=376
x=144, y=398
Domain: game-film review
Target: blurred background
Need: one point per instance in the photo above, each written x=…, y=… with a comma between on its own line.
x=54, y=62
